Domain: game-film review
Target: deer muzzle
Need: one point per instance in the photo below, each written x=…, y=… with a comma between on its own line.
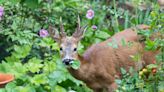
x=68, y=61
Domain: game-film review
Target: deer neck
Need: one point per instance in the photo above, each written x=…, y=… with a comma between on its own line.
x=81, y=72
x=82, y=60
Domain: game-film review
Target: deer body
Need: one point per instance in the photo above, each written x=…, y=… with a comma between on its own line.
x=101, y=63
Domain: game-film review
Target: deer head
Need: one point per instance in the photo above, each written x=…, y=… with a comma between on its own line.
x=68, y=44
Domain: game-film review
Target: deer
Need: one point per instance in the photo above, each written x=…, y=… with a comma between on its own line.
x=100, y=63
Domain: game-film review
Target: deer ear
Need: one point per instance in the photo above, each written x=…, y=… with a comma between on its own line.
x=79, y=33
x=54, y=34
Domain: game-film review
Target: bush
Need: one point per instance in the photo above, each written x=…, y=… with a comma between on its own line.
x=33, y=57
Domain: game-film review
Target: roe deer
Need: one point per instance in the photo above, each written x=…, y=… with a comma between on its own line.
x=101, y=63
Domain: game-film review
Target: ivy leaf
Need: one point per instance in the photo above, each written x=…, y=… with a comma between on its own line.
x=75, y=65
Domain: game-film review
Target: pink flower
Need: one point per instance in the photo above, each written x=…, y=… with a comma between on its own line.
x=1, y=11
x=94, y=27
x=90, y=14
x=43, y=33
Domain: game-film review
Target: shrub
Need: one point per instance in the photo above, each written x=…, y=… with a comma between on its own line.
x=33, y=57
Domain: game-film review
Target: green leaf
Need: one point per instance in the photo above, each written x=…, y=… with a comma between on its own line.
x=123, y=71
x=123, y=42
x=5, y=67
x=118, y=81
x=102, y=34
x=161, y=86
x=59, y=89
x=58, y=76
x=32, y=3
x=136, y=57
x=39, y=79
x=9, y=87
x=77, y=82
x=3, y=90
x=34, y=65
x=27, y=88
x=150, y=66
x=150, y=45
x=75, y=65
x=48, y=42
x=113, y=45
x=49, y=67
x=80, y=48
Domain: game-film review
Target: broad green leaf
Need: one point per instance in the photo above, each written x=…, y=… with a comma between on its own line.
x=33, y=4
x=18, y=69
x=5, y=67
x=102, y=34
x=9, y=87
x=49, y=67
x=76, y=64
x=58, y=76
x=39, y=79
x=34, y=65
x=58, y=89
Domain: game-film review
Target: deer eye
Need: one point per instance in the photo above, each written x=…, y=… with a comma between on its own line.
x=61, y=48
x=75, y=49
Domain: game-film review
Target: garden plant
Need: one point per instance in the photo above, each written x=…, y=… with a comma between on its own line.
x=28, y=51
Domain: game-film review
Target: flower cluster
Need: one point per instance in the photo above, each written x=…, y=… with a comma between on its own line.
x=1, y=12
x=89, y=15
x=94, y=27
x=43, y=33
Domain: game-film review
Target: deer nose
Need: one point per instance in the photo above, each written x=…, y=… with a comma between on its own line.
x=67, y=61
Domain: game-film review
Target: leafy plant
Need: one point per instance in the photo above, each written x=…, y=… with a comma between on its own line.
x=35, y=60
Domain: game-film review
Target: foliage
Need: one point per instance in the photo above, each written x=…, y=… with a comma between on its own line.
x=35, y=60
